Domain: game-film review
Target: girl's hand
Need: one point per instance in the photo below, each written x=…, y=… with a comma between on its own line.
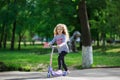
x=58, y=46
x=46, y=45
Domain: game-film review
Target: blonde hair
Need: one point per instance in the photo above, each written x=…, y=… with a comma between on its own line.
x=65, y=30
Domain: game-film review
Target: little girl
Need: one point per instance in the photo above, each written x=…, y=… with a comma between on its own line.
x=61, y=37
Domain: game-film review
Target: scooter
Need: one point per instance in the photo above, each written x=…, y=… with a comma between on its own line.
x=50, y=70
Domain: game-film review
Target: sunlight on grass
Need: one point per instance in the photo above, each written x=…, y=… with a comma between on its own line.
x=113, y=50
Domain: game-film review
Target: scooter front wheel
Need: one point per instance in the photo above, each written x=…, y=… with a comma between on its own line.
x=48, y=75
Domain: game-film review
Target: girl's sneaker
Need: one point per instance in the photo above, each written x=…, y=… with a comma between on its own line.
x=65, y=73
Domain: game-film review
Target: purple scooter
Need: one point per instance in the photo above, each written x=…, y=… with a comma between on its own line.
x=50, y=70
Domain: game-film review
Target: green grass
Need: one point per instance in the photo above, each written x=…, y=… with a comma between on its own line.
x=110, y=58
x=36, y=58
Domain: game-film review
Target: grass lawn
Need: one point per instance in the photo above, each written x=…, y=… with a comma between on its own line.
x=36, y=58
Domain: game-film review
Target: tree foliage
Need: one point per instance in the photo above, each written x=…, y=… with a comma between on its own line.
x=41, y=16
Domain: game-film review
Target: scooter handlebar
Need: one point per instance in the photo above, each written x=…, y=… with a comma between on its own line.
x=53, y=46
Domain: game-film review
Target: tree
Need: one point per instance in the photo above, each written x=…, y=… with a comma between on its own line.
x=113, y=18
x=96, y=14
x=5, y=20
x=87, y=57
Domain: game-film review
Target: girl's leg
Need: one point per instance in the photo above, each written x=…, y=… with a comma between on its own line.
x=61, y=60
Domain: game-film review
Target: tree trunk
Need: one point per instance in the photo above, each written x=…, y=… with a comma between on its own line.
x=5, y=40
x=13, y=35
x=87, y=56
x=14, y=27
x=103, y=42
x=5, y=36
x=98, y=40
x=20, y=38
x=2, y=35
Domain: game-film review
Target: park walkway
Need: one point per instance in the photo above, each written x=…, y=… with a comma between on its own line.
x=84, y=74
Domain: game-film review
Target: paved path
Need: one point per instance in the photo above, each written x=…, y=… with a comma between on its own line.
x=85, y=74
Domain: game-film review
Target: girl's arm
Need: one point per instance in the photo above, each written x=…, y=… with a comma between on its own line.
x=52, y=42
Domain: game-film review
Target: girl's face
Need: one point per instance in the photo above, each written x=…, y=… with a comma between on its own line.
x=59, y=30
